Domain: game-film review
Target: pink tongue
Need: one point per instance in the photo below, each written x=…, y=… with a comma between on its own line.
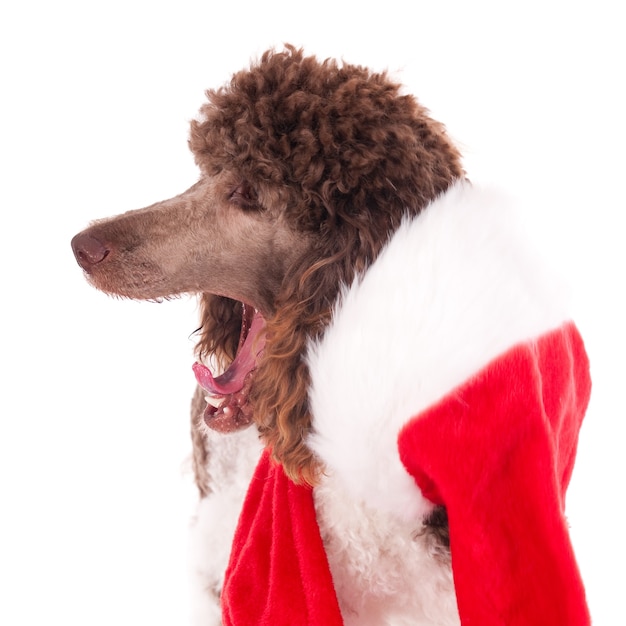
x=233, y=378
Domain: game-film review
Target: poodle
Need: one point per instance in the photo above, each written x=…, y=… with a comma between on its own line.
x=318, y=184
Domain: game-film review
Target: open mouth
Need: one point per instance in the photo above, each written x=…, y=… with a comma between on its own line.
x=227, y=394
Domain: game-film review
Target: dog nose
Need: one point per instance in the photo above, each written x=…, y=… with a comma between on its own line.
x=88, y=250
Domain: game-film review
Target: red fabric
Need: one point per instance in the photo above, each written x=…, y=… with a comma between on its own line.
x=278, y=573
x=498, y=452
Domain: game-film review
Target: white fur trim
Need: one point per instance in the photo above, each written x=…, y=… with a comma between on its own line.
x=385, y=570
x=454, y=288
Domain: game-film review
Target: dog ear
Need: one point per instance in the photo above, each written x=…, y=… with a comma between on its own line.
x=282, y=381
x=220, y=329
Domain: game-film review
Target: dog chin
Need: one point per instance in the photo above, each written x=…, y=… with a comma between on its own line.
x=227, y=408
x=227, y=414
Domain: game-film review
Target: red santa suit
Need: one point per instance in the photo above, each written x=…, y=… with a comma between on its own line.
x=450, y=375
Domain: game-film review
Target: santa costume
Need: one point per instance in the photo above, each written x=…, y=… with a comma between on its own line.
x=450, y=375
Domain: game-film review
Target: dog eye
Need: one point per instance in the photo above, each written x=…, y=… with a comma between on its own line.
x=243, y=196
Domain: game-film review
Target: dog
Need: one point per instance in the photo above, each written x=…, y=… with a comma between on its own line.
x=314, y=175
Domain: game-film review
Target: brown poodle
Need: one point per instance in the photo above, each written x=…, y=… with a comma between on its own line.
x=313, y=176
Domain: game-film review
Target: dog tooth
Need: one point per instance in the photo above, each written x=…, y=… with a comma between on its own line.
x=214, y=400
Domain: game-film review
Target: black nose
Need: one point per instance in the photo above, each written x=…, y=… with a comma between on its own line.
x=88, y=250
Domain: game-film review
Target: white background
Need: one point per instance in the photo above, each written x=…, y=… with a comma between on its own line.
x=95, y=102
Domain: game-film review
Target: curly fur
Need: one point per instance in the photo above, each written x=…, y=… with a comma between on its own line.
x=345, y=155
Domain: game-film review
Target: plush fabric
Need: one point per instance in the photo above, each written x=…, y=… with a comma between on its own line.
x=498, y=452
x=278, y=574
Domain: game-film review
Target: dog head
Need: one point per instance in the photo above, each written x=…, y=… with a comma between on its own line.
x=307, y=168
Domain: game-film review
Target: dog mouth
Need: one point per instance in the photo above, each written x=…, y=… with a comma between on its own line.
x=227, y=408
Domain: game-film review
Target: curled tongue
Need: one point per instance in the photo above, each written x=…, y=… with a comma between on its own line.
x=250, y=346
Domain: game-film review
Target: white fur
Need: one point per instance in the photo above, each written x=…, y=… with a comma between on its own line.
x=454, y=288
x=385, y=573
